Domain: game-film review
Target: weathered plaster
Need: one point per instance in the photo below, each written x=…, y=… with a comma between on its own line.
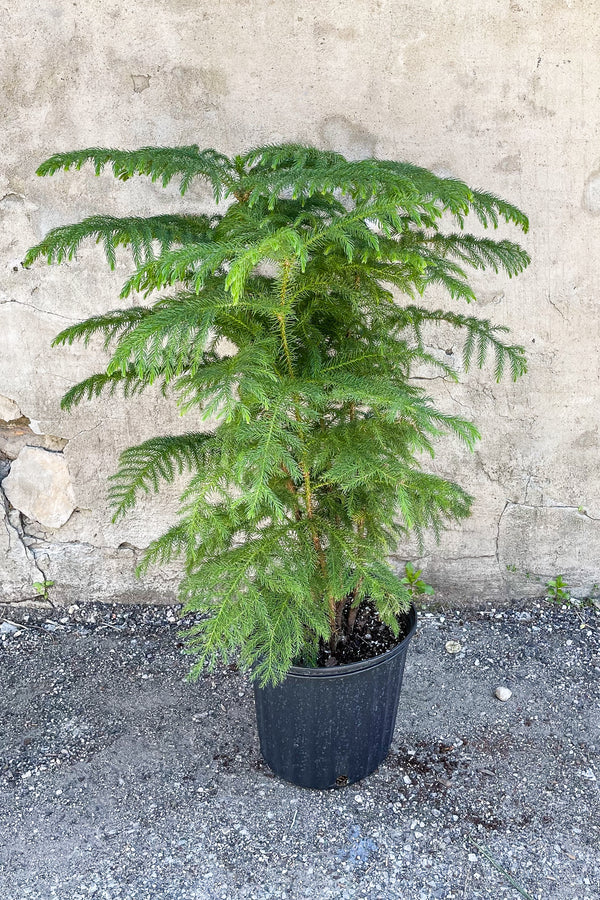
x=501, y=94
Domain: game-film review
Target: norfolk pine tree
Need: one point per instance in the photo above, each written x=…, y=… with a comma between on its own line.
x=313, y=470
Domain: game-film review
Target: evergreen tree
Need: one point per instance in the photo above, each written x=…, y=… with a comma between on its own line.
x=313, y=471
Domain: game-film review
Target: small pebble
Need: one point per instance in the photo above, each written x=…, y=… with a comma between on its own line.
x=503, y=693
x=8, y=628
x=453, y=647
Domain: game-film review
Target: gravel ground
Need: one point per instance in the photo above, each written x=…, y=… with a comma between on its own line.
x=120, y=780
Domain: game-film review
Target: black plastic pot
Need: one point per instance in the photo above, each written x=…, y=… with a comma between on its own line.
x=328, y=727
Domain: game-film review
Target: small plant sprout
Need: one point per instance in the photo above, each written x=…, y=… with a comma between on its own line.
x=412, y=579
x=42, y=588
x=558, y=590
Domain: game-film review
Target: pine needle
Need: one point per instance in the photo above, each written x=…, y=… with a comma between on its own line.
x=511, y=880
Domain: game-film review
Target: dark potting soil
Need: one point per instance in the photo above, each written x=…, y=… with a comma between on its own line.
x=369, y=638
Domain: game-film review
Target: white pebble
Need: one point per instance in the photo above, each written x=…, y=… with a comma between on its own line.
x=453, y=647
x=503, y=693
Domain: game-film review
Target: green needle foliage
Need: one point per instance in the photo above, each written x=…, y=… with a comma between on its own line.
x=313, y=471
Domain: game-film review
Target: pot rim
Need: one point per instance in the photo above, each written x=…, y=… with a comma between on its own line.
x=351, y=668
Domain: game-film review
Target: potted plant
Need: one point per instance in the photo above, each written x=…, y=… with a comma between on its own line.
x=293, y=328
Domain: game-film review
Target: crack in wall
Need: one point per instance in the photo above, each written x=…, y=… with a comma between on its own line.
x=430, y=377
x=511, y=503
x=46, y=312
x=554, y=306
x=576, y=509
x=454, y=400
x=13, y=523
x=470, y=556
x=541, y=506
x=74, y=542
x=84, y=431
x=506, y=505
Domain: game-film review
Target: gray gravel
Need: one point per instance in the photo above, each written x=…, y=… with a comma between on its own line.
x=119, y=780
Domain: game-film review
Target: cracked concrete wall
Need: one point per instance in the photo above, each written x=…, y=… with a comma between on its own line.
x=501, y=93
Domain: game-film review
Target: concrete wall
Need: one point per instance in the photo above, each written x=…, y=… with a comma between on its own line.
x=504, y=94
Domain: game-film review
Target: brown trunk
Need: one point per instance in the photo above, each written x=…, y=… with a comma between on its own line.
x=352, y=614
x=333, y=642
x=339, y=613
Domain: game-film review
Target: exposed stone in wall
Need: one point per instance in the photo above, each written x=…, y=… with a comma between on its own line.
x=17, y=434
x=35, y=553
x=45, y=537
x=9, y=411
x=39, y=485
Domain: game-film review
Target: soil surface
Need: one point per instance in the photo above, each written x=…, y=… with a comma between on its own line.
x=120, y=780
x=368, y=638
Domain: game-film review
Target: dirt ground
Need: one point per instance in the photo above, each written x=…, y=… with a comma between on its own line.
x=120, y=780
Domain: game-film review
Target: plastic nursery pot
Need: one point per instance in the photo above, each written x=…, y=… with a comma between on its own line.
x=329, y=727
